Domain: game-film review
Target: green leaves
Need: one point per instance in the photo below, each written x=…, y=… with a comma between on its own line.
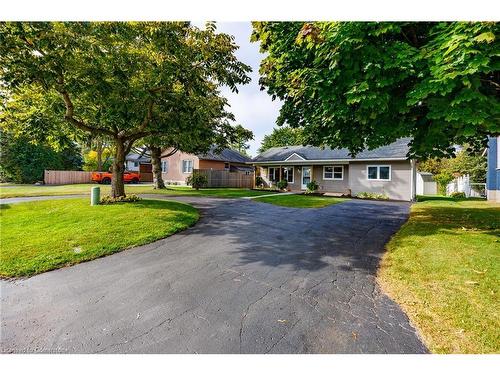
x=357, y=85
x=126, y=79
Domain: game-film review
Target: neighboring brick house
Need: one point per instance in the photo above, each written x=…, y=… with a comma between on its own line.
x=385, y=170
x=177, y=167
x=493, y=174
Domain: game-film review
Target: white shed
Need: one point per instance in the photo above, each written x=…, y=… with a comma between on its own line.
x=426, y=184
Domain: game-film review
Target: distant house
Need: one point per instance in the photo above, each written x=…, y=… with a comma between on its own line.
x=385, y=170
x=493, y=174
x=140, y=163
x=133, y=161
x=177, y=167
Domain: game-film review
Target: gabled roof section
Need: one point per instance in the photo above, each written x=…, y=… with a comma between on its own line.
x=226, y=155
x=294, y=156
x=395, y=150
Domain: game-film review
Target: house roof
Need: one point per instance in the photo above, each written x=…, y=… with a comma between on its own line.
x=396, y=150
x=226, y=155
x=138, y=158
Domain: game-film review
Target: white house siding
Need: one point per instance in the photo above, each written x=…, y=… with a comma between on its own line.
x=131, y=167
x=399, y=186
x=336, y=186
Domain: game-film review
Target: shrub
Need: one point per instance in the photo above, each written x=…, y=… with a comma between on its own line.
x=197, y=180
x=282, y=185
x=458, y=194
x=366, y=195
x=259, y=181
x=128, y=199
x=312, y=187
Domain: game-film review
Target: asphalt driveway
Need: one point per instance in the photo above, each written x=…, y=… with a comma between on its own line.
x=248, y=278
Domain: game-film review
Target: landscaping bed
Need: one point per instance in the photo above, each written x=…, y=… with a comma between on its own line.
x=44, y=235
x=443, y=268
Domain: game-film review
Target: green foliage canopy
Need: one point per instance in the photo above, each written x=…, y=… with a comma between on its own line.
x=23, y=161
x=127, y=80
x=282, y=136
x=366, y=84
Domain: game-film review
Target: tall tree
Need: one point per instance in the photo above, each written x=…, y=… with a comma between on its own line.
x=23, y=160
x=242, y=136
x=365, y=84
x=126, y=80
x=282, y=136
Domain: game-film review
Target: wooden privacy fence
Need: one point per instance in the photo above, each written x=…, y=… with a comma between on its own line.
x=218, y=178
x=67, y=177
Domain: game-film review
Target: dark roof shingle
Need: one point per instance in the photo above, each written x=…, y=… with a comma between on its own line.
x=226, y=155
x=395, y=150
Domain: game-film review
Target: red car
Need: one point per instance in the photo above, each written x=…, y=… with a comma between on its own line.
x=105, y=177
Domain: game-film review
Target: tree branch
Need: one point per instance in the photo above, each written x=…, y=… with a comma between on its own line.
x=70, y=111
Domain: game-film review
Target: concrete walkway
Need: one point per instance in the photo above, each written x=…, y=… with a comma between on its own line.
x=40, y=198
x=248, y=278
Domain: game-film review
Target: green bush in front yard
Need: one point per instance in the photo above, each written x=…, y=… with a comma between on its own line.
x=127, y=199
x=312, y=187
x=282, y=185
x=197, y=181
x=366, y=195
x=458, y=195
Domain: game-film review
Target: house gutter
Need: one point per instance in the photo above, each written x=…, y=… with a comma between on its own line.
x=329, y=161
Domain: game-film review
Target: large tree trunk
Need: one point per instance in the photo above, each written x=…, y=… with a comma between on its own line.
x=117, y=185
x=156, y=163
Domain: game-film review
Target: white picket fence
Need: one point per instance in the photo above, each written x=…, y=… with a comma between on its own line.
x=462, y=184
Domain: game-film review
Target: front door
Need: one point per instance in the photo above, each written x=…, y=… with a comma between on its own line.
x=306, y=177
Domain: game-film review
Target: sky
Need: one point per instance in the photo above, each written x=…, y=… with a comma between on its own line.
x=254, y=109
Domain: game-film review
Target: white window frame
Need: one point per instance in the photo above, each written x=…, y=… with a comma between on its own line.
x=293, y=175
x=378, y=166
x=164, y=166
x=189, y=164
x=333, y=172
x=274, y=173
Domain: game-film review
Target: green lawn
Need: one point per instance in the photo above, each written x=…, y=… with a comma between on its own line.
x=41, y=236
x=301, y=200
x=7, y=191
x=443, y=268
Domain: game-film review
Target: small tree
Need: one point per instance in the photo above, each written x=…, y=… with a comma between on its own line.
x=197, y=180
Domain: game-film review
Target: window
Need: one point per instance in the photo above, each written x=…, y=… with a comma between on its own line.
x=288, y=174
x=226, y=166
x=187, y=166
x=273, y=174
x=136, y=164
x=164, y=166
x=333, y=172
x=379, y=172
